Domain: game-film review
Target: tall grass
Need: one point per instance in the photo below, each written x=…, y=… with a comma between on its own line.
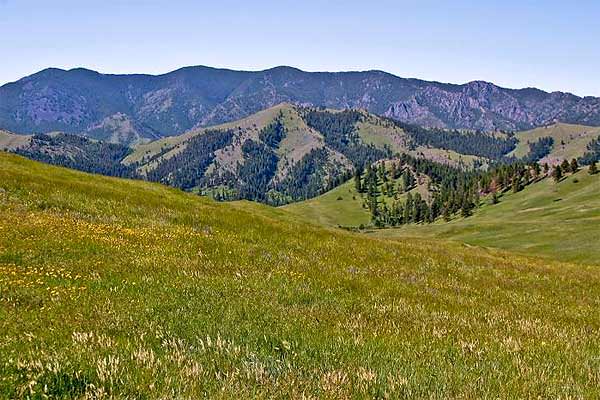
x=122, y=289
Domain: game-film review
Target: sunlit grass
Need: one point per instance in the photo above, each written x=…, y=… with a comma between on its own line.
x=125, y=289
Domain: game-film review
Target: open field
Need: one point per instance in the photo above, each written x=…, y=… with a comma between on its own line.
x=123, y=289
x=560, y=221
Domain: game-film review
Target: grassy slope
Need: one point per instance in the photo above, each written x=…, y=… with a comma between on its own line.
x=561, y=221
x=379, y=132
x=449, y=157
x=131, y=289
x=177, y=143
x=329, y=211
x=575, y=138
x=343, y=205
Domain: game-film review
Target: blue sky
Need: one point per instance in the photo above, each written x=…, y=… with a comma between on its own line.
x=553, y=45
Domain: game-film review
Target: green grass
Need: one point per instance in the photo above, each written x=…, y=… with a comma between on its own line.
x=380, y=133
x=570, y=141
x=342, y=205
x=560, y=221
x=124, y=289
x=448, y=157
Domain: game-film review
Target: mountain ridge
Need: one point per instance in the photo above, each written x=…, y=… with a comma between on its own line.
x=136, y=108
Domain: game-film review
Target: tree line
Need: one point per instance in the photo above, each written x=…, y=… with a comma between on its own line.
x=388, y=188
x=477, y=143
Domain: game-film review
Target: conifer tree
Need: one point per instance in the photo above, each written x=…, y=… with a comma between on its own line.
x=446, y=212
x=593, y=168
x=516, y=183
x=495, y=198
x=527, y=175
x=408, y=208
x=357, y=180
x=574, y=166
x=466, y=208
x=565, y=167
x=557, y=173
x=536, y=170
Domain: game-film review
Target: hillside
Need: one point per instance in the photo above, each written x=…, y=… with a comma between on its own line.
x=120, y=288
x=70, y=151
x=342, y=205
x=273, y=156
x=345, y=206
x=560, y=221
x=568, y=141
x=279, y=155
x=10, y=141
x=288, y=153
x=137, y=108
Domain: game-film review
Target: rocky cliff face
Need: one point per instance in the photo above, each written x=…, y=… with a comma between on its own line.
x=133, y=108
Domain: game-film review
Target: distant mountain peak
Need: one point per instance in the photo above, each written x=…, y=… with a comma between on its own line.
x=80, y=100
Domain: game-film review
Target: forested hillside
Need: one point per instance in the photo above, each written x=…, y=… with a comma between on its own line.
x=71, y=151
x=407, y=191
x=288, y=153
x=557, y=219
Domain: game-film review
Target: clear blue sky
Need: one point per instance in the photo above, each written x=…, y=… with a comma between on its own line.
x=553, y=45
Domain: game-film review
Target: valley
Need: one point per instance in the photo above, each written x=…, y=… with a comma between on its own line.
x=299, y=200
x=299, y=250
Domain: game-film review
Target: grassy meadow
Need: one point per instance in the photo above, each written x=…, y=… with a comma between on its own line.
x=124, y=289
x=560, y=221
x=342, y=205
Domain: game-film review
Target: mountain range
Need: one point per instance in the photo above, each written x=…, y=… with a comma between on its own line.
x=139, y=108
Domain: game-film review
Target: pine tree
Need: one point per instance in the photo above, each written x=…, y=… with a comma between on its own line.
x=536, y=170
x=383, y=172
x=557, y=173
x=408, y=208
x=495, y=198
x=565, y=167
x=446, y=212
x=516, y=183
x=574, y=166
x=527, y=176
x=467, y=207
x=417, y=216
x=407, y=180
x=357, y=182
x=593, y=168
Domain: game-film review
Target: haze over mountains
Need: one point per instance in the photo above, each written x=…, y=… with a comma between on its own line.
x=136, y=108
